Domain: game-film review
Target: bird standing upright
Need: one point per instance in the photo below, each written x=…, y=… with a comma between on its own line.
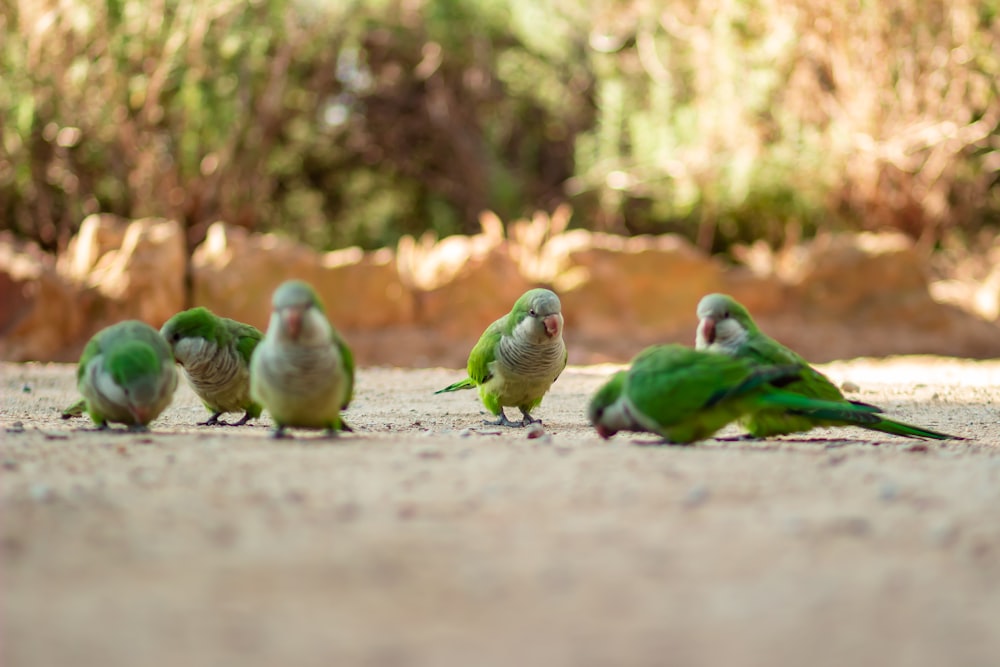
x=685, y=395
x=214, y=353
x=518, y=357
x=726, y=327
x=303, y=371
x=126, y=375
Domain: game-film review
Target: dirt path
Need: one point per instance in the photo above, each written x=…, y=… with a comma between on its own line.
x=429, y=539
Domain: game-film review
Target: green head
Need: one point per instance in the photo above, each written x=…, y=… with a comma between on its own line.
x=194, y=323
x=297, y=314
x=723, y=322
x=137, y=370
x=599, y=413
x=538, y=313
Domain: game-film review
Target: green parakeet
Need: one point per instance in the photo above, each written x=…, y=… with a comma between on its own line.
x=214, y=353
x=303, y=371
x=518, y=357
x=685, y=395
x=726, y=327
x=126, y=375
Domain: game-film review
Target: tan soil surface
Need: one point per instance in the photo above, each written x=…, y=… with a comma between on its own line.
x=427, y=538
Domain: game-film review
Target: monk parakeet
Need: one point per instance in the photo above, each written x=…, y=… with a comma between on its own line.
x=126, y=375
x=302, y=372
x=685, y=395
x=726, y=326
x=214, y=353
x=518, y=357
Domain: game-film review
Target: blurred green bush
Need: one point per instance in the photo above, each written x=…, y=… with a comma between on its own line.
x=356, y=122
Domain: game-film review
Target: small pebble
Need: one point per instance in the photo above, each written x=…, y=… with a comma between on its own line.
x=943, y=534
x=696, y=496
x=850, y=387
x=430, y=454
x=26, y=388
x=16, y=427
x=887, y=491
x=851, y=525
x=465, y=433
x=535, y=430
x=40, y=492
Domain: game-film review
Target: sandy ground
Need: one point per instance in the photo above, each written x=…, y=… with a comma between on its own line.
x=427, y=538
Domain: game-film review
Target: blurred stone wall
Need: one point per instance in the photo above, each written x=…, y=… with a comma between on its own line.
x=426, y=301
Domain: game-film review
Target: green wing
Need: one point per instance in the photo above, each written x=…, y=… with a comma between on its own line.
x=755, y=379
x=670, y=385
x=485, y=353
x=762, y=350
x=347, y=358
x=482, y=356
x=246, y=337
x=92, y=349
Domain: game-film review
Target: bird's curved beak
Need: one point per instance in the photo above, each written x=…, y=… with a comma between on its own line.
x=706, y=331
x=142, y=414
x=291, y=320
x=604, y=431
x=553, y=324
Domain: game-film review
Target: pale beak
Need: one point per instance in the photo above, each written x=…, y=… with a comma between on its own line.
x=706, y=330
x=291, y=320
x=553, y=323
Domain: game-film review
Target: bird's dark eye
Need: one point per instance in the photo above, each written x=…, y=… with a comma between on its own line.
x=176, y=337
x=532, y=312
x=725, y=315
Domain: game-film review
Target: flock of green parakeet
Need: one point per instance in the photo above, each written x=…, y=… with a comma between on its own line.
x=302, y=372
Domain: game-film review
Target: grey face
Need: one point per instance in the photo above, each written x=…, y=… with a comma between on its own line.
x=546, y=309
x=716, y=324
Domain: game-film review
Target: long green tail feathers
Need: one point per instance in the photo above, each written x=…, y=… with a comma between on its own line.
x=851, y=413
x=899, y=428
x=773, y=375
x=467, y=383
x=75, y=410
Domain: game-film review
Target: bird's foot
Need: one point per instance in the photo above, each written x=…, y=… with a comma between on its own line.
x=528, y=420
x=279, y=433
x=138, y=428
x=213, y=421
x=503, y=421
x=745, y=437
x=243, y=420
x=662, y=442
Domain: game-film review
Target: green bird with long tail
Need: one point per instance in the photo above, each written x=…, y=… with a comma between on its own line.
x=685, y=395
x=726, y=327
x=214, y=353
x=518, y=357
x=126, y=375
x=303, y=371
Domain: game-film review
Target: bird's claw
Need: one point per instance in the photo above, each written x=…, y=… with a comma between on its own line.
x=213, y=421
x=243, y=420
x=503, y=421
x=279, y=433
x=528, y=420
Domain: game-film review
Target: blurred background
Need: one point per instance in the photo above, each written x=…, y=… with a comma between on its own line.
x=345, y=123
x=757, y=134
